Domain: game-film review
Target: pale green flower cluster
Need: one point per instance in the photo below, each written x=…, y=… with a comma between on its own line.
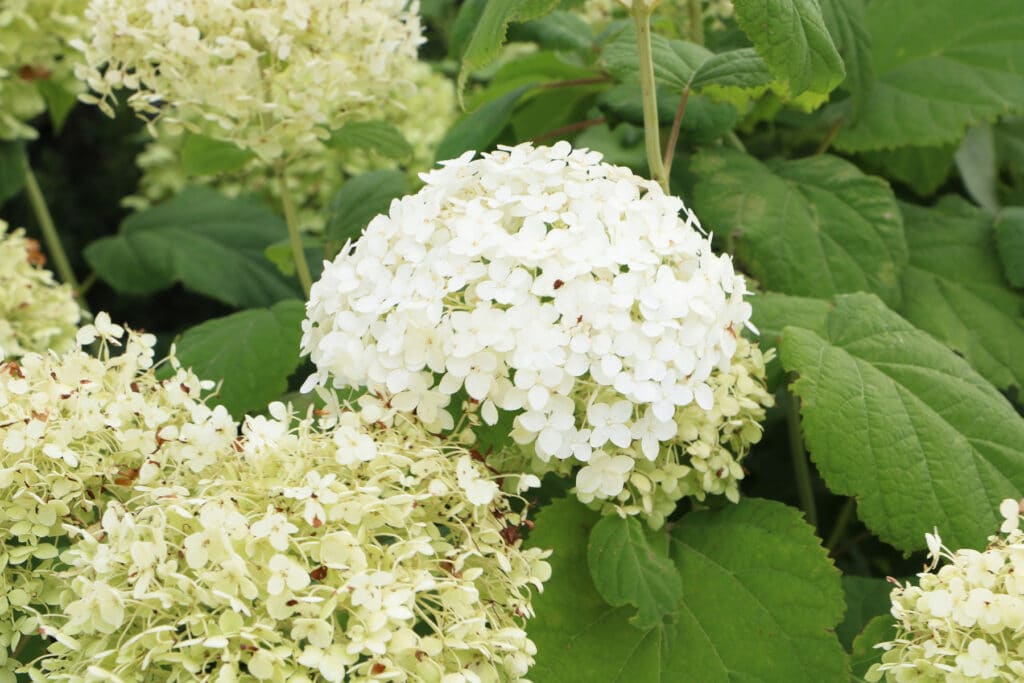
x=304, y=553
x=36, y=313
x=270, y=76
x=34, y=49
x=75, y=430
x=315, y=175
x=964, y=622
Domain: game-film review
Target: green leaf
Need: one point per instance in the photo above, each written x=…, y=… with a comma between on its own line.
x=59, y=101
x=757, y=587
x=811, y=227
x=954, y=289
x=253, y=353
x=558, y=31
x=848, y=26
x=866, y=598
x=923, y=169
x=791, y=37
x=211, y=244
x=359, y=200
x=675, y=61
x=479, y=129
x=484, y=28
x=627, y=570
x=939, y=66
x=12, y=169
x=895, y=418
x=976, y=161
x=201, y=155
x=1010, y=239
x=377, y=136
x=705, y=119
x=736, y=76
x=280, y=254
x=774, y=311
x=879, y=630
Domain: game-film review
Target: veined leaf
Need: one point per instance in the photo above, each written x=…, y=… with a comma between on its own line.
x=896, y=419
x=774, y=311
x=736, y=77
x=378, y=136
x=923, y=169
x=201, y=155
x=675, y=61
x=847, y=24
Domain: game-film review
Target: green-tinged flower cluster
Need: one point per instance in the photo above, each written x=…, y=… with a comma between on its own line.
x=702, y=458
x=270, y=76
x=75, y=431
x=36, y=58
x=964, y=622
x=304, y=553
x=36, y=313
x=316, y=173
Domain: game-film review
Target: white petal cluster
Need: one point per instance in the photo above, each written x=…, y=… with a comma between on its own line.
x=964, y=622
x=36, y=313
x=34, y=54
x=270, y=75
x=75, y=429
x=306, y=553
x=543, y=283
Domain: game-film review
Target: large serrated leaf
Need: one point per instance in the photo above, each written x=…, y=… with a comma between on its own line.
x=675, y=61
x=760, y=598
x=1010, y=240
x=743, y=69
x=895, y=418
x=252, y=353
x=792, y=38
x=211, y=244
x=812, y=227
x=627, y=570
x=954, y=289
x=774, y=311
x=847, y=24
x=939, y=67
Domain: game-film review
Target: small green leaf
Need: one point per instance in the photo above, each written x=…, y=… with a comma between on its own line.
x=252, y=352
x=976, y=161
x=479, y=129
x=1010, y=239
x=12, y=169
x=791, y=37
x=211, y=244
x=811, y=227
x=866, y=598
x=939, y=66
x=879, y=630
x=895, y=418
x=359, y=200
x=923, y=169
x=627, y=570
x=954, y=289
x=201, y=155
x=376, y=136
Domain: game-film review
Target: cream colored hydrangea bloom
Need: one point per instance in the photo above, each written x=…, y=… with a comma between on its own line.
x=964, y=622
x=36, y=313
x=272, y=76
x=34, y=47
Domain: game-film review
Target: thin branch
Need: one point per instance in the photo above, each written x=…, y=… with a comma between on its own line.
x=801, y=467
x=830, y=136
x=291, y=218
x=652, y=132
x=673, y=136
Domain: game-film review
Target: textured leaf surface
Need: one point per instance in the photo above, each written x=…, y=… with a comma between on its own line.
x=939, y=66
x=923, y=169
x=378, y=136
x=741, y=68
x=1010, y=239
x=976, y=162
x=201, y=155
x=791, y=37
x=847, y=24
x=675, y=61
x=627, y=570
x=774, y=311
x=253, y=353
x=866, y=598
x=359, y=200
x=896, y=419
x=211, y=244
x=955, y=290
x=558, y=31
x=812, y=227
x=757, y=588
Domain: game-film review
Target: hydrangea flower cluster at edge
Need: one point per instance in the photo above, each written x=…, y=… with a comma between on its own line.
x=964, y=622
x=146, y=540
x=568, y=292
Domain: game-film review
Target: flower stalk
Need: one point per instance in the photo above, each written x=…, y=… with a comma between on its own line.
x=294, y=238
x=801, y=467
x=49, y=229
x=652, y=134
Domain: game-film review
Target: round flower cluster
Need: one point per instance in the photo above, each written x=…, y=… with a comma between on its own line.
x=267, y=75
x=75, y=430
x=965, y=621
x=542, y=282
x=316, y=174
x=35, y=50
x=36, y=313
x=307, y=553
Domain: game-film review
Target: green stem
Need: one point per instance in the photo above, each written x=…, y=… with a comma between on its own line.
x=291, y=218
x=652, y=132
x=50, y=236
x=801, y=467
x=673, y=136
x=842, y=521
x=696, y=28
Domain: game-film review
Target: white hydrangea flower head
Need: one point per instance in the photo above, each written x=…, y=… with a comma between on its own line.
x=36, y=313
x=546, y=284
x=308, y=553
x=35, y=48
x=271, y=76
x=76, y=431
x=964, y=621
